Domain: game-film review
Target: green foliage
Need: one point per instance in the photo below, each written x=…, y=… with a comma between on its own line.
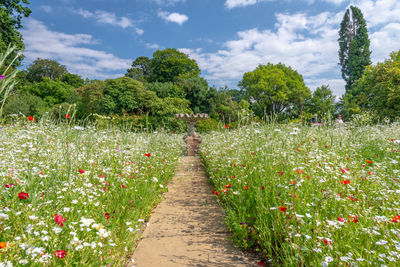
x=208, y=125
x=167, y=89
x=11, y=13
x=72, y=79
x=354, y=52
x=52, y=92
x=170, y=64
x=140, y=70
x=126, y=95
x=91, y=96
x=45, y=68
x=322, y=103
x=8, y=79
x=378, y=90
x=25, y=103
x=274, y=88
x=198, y=93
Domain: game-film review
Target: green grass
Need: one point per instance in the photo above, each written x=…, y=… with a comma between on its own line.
x=103, y=205
x=311, y=195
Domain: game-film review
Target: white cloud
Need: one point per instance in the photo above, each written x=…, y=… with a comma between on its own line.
x=239, y=3
x=306, y=43
x=168, y=2
x=173, y=17
x=69, y=50
x=46, y=8
x=108, y=18
x=152, y=46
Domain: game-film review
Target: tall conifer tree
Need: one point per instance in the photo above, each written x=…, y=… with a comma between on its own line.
x=354, y=52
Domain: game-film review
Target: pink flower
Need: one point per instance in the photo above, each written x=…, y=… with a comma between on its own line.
x=60, y=254
x=59, y=219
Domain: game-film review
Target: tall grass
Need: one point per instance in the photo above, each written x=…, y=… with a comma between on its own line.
x=310, y=195
x=77, y=196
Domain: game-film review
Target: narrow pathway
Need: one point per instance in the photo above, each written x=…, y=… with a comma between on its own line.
x=187, y=228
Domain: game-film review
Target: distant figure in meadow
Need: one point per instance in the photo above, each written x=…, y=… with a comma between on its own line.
x=339, y=122
x=314, y=119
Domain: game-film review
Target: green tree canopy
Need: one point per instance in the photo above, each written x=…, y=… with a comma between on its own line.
x=170, y=64
x=11, y=13
x=126, y=95
x=378, y=90
x=140, y=69
x=322, y=102
x=198, y=93
x=45, y=68
x=274, y=88
x=354, y=52
x=52, y=92
x=91, y=96
x=167, y=89
x=72, y=79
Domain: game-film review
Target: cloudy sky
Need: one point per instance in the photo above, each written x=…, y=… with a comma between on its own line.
x=100, y=38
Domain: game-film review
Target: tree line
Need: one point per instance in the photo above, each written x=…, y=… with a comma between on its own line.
x=154, y=89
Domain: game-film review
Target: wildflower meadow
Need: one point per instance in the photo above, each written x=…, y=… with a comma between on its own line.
x=314, y=196
x=73, y=195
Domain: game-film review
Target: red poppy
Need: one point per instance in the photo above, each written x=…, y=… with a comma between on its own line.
x=81, y=171
x=102, y=176
x=3, y=245
x=216, y=192
x=369, y=161
x=345, y=182
x=260, y=263
x=9, y=185
x=283, y=209
x=226, y=126
x=353, y=219
x=60, y=254
x=225, y=190
x=59, y=219
x=23, y=195
x=327, y=242
x=262, y=187
x=147, y=155
x=31, y=118
x=353, y=199
x=292, y=182
x=396, y=219
x=123, y=186
x=246, y=187
x=67, y=116
x=107, y=215
x=280, y=173
x=299, y=171
x=227, y=186
x=345, y=170
x=340, y=219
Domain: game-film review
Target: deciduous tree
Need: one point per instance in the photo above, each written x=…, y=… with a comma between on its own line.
x=274, y=88
x=45, y=68
x=11, y=14
x=170, y=64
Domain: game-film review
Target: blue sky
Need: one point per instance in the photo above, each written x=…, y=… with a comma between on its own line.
x=99, y=39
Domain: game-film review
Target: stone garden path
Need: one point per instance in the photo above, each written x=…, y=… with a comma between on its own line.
x=187, y=228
